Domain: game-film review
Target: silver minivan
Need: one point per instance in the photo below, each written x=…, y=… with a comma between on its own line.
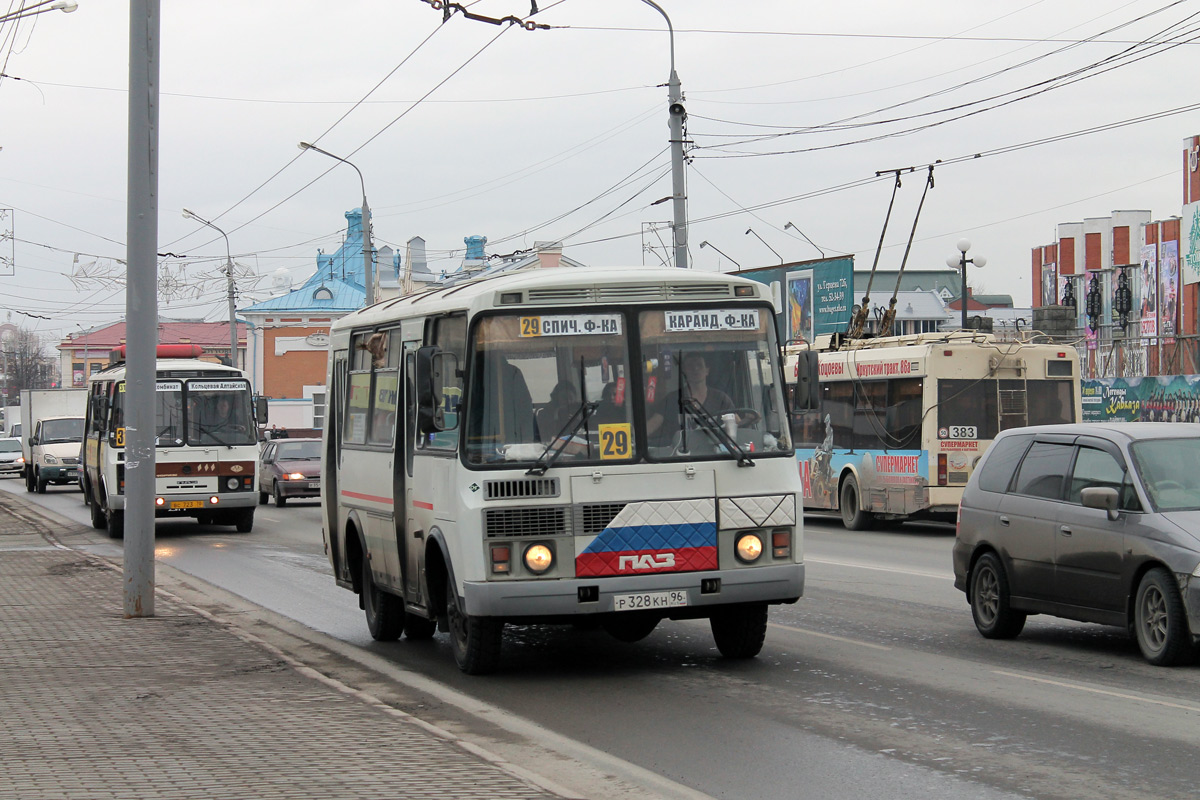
x=1094, y=522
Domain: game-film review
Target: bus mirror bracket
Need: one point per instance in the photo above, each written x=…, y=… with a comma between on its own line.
x=260, y=410
x=807, y=380
x=432, y=367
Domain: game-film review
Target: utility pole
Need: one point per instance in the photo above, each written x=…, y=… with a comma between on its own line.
x=141, y=307
x=676, y=115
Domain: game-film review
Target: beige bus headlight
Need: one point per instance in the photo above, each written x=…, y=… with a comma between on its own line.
x=748, y=547
x=538, y=558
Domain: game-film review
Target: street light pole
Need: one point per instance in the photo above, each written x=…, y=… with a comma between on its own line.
x=233, y=349
x=65, y=6
x=764, y=241
x=714, y=247
x=368, y=278
x=960, y=261
x=676, y=115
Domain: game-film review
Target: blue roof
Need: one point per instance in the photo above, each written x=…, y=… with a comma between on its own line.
x=336, y=286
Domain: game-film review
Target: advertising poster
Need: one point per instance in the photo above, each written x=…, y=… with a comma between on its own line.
x=1169, y=398
x=800, y=305
x=1050, y=295
x=1168, y=294
x=1189, y=234
x=1148, y=287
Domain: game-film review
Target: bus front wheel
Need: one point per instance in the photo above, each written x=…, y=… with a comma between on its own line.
x=854, y=517
x=740, y=631
x=98, y=521
x=475, y=640
x=115, y=521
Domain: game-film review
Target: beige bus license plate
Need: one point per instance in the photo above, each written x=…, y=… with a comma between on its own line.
x=650, y=600
x=187, y=504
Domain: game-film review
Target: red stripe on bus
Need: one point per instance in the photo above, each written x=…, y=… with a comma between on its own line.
x=371, y=497
x=423, y=504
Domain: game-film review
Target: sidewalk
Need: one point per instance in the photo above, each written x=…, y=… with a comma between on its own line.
x=178, y=706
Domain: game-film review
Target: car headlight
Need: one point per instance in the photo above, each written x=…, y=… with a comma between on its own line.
x=294, y=476
x=538, y=558
x=51, y=459
x=748, y=548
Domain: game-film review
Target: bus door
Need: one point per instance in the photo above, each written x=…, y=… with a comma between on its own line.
x=410, y=538
x=333, y=454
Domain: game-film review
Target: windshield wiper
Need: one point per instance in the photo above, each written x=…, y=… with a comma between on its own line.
x=559, y=443
x=208, y=432
x=694, y=408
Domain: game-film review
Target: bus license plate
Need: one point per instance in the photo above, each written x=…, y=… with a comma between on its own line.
x=187, y=504
x=650, y=600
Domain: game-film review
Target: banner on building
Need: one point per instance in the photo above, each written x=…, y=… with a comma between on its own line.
x=1169, y=398
x=1050, y=295
x=1148, y=286
x=1189, y=235
x=1168, y=296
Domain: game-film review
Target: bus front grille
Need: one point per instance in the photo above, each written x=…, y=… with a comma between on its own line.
x=591, y=519
x=538, y=521
x=520, y=488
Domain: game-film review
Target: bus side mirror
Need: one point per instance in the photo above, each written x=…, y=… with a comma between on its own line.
x=260, y=410
x=808, y=385
x=429, y=366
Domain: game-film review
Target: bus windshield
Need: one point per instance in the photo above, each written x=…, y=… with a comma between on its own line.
x=218, y=412
x=710, y=386
x=554, y=381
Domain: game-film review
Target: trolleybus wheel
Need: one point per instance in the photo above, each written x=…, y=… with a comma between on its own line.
x=740, y=631
x=853, y=516
x=385, y=612
x=474, y=640
x=630, y=628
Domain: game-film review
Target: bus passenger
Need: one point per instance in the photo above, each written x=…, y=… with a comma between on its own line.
x=664, y=423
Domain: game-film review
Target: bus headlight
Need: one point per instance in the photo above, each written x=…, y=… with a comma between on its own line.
x=538, y=558
x=232, y=484
x=748, y=548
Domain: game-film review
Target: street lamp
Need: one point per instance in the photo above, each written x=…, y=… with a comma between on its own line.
x=960, y=261
x=368, y=278
x=229, y=279
x=764, y=241
x=714, y=247
x=676, y=114
x=65, y=6
x=810, y=241
x=86, y=370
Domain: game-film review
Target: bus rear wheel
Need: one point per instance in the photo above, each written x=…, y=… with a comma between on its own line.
x=115, y=522
x=385, y=612
x=98, y=521
x=854, y=517
x=474, y=640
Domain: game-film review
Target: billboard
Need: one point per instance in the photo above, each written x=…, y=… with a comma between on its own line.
x=1147, y=286
x=812, y=298
x=1189, y=235
x=1168, y=398
x=1168, y=294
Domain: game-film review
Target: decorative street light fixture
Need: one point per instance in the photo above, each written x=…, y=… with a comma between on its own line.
x=368, y=278
x=960, y=261
x=714, y=247
x=676, y=115
x=229, y=279
x=764, y=241
x=810, y=241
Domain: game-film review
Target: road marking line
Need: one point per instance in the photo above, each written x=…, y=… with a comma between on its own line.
x=1105, y=692
x=856, y=565
x=828, y=636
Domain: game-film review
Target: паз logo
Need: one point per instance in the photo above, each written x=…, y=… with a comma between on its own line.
x=646, y=561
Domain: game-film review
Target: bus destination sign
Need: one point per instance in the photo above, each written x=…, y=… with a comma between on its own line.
x=741, y=319
x=571, y=325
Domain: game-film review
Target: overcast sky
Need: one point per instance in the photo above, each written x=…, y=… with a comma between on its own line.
x=561, y=134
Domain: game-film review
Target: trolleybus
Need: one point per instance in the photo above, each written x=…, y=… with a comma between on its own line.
x=206, y=442
x=891, y=428
x=562, y=446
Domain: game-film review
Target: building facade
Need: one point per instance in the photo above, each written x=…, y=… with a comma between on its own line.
x=82, y=354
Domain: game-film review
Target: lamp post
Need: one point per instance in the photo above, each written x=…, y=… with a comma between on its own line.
x=369, y=282
x=229, y=280
x=676, y=114
x=810, y=241
x=65, y=6
x=86, y=370
x=714, y=247
x=764, y=241
x=960, y=261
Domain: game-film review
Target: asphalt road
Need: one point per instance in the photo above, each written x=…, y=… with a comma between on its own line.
x=875, y=683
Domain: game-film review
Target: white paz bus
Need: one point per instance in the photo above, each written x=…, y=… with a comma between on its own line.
x=891, y=428
x=206, y=442
x=563, y=445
